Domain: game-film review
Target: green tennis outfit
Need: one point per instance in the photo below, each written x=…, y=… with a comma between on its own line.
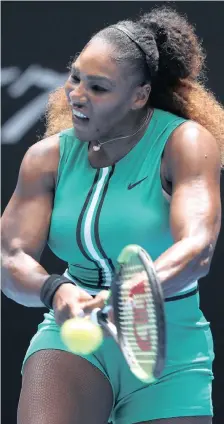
x=96, y=213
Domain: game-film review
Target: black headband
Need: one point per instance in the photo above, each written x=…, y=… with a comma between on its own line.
x=130, y=35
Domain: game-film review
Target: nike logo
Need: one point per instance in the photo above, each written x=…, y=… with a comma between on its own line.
x=135, y=184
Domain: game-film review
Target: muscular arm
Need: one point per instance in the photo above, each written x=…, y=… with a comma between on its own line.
x=25, y=224
x=192, y=162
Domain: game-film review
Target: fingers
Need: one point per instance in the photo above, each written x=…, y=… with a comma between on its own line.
x=105, y=294
x=67, y=311
x=73, y=302
x=92, y=304
x=98, y=302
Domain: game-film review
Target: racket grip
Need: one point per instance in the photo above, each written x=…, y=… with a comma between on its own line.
x=81, y=314
x=94, y=316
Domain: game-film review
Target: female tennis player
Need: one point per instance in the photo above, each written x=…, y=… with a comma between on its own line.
x=131, y=155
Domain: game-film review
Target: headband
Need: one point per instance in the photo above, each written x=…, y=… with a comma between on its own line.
x=130, y=35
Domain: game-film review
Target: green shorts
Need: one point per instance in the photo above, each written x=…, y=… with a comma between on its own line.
x=184, y=389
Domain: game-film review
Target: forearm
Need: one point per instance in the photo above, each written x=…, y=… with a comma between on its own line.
x=181, y=264
x=22, y=279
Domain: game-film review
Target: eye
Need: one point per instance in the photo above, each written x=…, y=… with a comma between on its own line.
x=74, y=78
x=99, y=89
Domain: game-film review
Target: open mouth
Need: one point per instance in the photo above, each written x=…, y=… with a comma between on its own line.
x=79, y=115
x=79, y=119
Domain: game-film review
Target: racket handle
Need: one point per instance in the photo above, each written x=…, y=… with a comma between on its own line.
x=94, y=316
x=100, y=313
x=97, y=315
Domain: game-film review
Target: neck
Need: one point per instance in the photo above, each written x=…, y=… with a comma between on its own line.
x=110, y=150
x=129, y=135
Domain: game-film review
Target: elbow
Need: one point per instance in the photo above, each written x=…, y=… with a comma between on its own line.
x=203, y=270
x=204, y=253
x=7, y=267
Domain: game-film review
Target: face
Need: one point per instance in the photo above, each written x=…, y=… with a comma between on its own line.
x=102, y=97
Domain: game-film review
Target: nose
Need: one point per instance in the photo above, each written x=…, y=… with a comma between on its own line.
x=77, y=95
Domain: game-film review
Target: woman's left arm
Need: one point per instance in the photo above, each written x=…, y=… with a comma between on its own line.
x=192, y=163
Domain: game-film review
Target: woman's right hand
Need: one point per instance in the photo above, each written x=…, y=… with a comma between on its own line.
x=69, y=300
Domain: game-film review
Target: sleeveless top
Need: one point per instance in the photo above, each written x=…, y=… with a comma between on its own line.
x=97, y=212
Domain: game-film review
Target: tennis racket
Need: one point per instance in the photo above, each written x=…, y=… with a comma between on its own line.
x=133, y=316
x=138, y=314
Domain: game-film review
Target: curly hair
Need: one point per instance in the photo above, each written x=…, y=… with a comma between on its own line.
x=173, y=62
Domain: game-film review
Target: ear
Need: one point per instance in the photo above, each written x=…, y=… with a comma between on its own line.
x=141, y=96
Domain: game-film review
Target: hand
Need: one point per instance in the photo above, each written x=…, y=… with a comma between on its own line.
x=69, y=301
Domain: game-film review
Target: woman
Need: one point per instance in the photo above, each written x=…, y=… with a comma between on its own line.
x=141, y=164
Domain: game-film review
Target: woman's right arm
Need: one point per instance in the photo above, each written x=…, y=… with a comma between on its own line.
x=25, y=227
x=25, y=224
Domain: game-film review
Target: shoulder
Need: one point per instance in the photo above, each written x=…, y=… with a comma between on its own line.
x=44, y=152
x=191, y=147
x=44, y=147
x=41, y=160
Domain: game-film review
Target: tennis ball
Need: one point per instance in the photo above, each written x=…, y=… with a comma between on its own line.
x=81, y=335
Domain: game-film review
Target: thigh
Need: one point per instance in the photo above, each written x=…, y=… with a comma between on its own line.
x=59, y=387
x=185, y=393
x=181, y=420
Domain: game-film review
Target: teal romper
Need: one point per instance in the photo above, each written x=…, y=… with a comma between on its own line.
x=96, y=213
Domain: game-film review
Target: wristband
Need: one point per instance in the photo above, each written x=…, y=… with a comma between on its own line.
x=49, y=288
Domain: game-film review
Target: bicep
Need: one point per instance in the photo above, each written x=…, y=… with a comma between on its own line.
x=26, y=219
x=25, y=224
x=195, y=212
x=195, y=204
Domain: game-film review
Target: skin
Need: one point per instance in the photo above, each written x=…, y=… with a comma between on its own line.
x=114, y=108
x=191, y=163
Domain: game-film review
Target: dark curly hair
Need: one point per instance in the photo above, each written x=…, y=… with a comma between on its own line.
x=173, y=62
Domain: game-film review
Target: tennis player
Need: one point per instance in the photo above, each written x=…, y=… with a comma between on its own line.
x=132, y=154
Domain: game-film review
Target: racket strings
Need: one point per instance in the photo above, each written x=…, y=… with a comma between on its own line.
x=137, y=317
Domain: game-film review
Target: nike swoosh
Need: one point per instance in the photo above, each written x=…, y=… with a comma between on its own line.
x=135, y=184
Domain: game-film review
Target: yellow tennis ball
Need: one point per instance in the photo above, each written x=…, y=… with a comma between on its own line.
x=81, y=335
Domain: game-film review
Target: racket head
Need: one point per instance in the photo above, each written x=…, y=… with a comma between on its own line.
x=139, y=316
